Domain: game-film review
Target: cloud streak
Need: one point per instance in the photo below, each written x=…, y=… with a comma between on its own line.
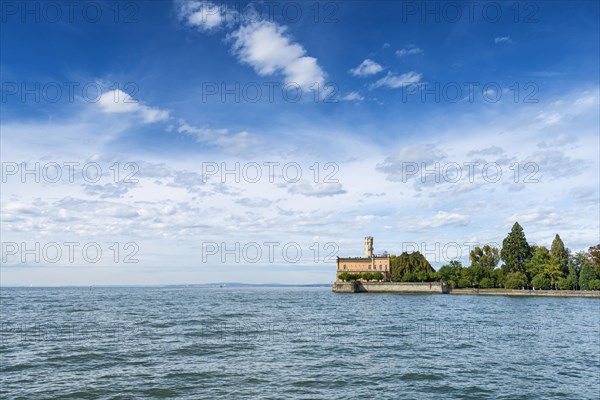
x=394, y=81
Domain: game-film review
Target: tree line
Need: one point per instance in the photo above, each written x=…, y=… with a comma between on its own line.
x=523, y=267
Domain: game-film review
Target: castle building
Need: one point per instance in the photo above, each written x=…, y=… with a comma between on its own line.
x=369, y=263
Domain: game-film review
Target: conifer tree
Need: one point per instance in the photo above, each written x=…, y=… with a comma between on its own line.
x=559, y=256
x=515, y=250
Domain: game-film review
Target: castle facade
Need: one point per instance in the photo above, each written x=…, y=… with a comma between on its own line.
x=369, y=263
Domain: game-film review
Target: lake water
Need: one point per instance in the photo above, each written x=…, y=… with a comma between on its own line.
x=295, y=343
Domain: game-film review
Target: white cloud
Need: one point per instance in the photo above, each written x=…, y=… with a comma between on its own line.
x=218, y=137
x=204, y=15
x=254, y=202
x=264, y=45
x=108, y=190
x=556, y=164
x=353, y=96
x=548, y=117
x=117, y=101
x=488, y=151
x=562, y=139
x=405, y=164
x=316, y=190
x=502, y=39
x=437, y=220
x=410, y=50
x=362, y=220
x=366, y=68
x=542, y=215
x=267, y=48
x=398, y=81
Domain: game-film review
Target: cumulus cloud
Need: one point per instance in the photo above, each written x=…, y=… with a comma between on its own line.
x=264, y=45
x=366, y=68
x=204, y=15
x=410, y=50
x=267, y=48
x=119, y=102
x=394, y=81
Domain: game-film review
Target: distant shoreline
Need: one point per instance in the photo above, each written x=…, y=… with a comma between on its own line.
x=183, y=285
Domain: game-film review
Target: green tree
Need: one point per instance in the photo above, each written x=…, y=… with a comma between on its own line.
x=566, y=284
x=586, y=276
x=486, y=283
x=422, y=276
x=483, y=262
x=451, y=273
x=487, y=257
x=540, y=281
x=559, y=255
x=474, y=274
x=498, y=277
x=580, y=259
x=410, y=267
x=395, y=273
x=409, y=276
x=594, y=255
x=594, y=284
x=347, y=277
x=515, y=280
x=571, y=282
x=466, y=279
x=515, y=250
x=554, y=273
x=538, y=261
x=343, y=276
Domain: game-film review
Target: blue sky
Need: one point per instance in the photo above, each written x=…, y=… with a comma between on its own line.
x=399, y=86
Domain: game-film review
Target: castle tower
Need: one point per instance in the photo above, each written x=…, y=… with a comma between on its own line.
x=369, y=246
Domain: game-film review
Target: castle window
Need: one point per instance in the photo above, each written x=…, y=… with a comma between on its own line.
x=344, y=267
x=369, y=267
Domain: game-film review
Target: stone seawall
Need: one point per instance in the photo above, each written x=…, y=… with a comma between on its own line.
x=389, y=287
x=344, y=287
x=439, y=288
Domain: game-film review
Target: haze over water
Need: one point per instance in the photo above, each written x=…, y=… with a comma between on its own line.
x=294, y=343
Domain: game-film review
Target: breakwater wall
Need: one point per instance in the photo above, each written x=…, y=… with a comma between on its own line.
x=390, y=287
x=440, y=288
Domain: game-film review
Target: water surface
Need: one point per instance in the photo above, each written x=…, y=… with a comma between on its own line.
x=294, y=343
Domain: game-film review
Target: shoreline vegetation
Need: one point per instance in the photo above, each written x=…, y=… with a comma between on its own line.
x=526, y=293
x=531, y=269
